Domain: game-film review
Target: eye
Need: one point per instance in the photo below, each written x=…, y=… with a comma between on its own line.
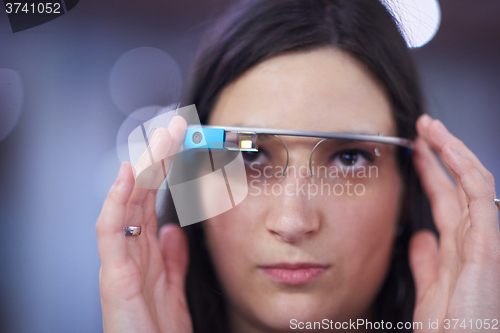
x=348, y=158
x=352, y=158
x=260, y=156
x=250, y=156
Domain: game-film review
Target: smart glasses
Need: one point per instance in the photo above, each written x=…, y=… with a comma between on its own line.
x=266, y=153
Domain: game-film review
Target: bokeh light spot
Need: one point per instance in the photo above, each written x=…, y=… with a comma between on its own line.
x=11, y=100
x=145, y=76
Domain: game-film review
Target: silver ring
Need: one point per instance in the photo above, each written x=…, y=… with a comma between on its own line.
x=497, y=201
x=132, y=231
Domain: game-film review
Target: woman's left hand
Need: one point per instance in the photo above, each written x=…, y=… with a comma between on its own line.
x=457, y=277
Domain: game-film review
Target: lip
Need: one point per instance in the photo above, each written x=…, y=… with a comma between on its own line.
x=294, y=273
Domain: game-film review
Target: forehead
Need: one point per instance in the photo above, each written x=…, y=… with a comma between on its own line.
x=320, y=90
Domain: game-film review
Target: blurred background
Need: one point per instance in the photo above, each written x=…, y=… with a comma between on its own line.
x=72, y=89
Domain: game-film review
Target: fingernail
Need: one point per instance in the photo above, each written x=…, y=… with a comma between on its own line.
x=173, y=122
x=441, y=126
x=426, y=119
x=154, y=137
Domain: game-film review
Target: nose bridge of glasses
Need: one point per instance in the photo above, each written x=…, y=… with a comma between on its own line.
x=299, y=150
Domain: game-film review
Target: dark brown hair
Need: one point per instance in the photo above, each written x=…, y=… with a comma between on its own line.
x=252, y=31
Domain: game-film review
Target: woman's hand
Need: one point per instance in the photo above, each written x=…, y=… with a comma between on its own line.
x=142, y=277
x=458, y=276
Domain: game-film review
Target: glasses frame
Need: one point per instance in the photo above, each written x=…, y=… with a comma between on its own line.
x=219, y=136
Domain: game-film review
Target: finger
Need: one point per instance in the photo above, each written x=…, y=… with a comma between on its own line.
x=480, y=193
x=438, y=186
x=177, y=129
x=424, y=261
x=462, y=198
x=422, y=129
x=109, y=226
x=437, y=136
x=422, y=125
x=153, y=165
x=164, y=143
x=174, y=249
x=149, y=170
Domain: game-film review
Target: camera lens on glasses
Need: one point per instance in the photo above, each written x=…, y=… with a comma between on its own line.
x=197, y=137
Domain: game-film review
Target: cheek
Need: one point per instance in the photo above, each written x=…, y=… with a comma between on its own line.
x=364, y=234
x=370, y=219
x=224, y=250
x=232, y=239
x=216, y=197
x=373, y=221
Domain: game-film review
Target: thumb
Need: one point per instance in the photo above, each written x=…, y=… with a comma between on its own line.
x=174, y=249
x=424, y=260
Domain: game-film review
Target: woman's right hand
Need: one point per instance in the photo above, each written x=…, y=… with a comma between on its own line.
x=142, y=277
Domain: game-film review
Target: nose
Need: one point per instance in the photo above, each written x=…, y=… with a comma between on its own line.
x=293, y=215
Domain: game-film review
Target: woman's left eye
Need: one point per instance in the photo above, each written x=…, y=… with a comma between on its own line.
x=352, y=158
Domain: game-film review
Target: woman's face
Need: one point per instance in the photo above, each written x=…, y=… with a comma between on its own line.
x=297, y=256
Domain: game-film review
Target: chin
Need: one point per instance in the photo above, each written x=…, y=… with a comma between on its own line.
x=278, y=313
x=284, y=322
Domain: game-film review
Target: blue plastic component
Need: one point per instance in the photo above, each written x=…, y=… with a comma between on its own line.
x=211, y=138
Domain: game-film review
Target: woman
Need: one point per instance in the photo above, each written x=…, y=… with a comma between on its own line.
x=282, y=262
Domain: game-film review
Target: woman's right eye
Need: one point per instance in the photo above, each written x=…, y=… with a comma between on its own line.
x=352, y=158
x=260, y=157
x=251, y=156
